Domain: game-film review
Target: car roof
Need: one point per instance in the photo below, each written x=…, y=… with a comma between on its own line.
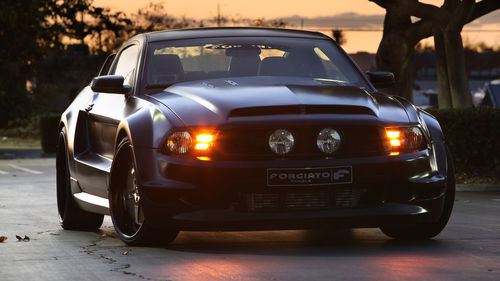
x=230, y=32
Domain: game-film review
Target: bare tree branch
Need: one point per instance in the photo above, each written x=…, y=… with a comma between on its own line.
x=462, y=14
x=381, y=3
x=450, y=5
x=423, y=28
x=484, y=7
x=414, y=8
x=420, y=30
x=426, y=11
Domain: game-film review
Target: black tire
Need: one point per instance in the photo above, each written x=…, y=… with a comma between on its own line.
x=130, y=221
x=423, y=231
x=70, y=215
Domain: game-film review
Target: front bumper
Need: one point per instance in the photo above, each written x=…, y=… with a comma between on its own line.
x=191, y=194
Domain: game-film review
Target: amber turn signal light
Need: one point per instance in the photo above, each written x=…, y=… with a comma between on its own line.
x=204, y=141
x=404, y=139
x=393, y=136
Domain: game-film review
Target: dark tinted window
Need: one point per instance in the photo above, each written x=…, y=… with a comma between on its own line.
x=107, y=65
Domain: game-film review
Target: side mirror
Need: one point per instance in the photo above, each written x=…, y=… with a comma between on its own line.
x=381, y=79
x=112, y=84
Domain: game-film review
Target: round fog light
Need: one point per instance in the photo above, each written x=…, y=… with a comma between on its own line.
x=281, y=141
x=328, y=140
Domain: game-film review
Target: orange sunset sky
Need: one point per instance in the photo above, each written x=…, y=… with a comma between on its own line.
x=365, y=14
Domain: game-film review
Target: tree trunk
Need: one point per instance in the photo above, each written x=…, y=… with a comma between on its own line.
x=453, y=85
x=444, y=93
x=457, y=73
x=395, y=54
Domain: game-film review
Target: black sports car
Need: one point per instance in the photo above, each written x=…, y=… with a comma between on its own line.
x=247, y=128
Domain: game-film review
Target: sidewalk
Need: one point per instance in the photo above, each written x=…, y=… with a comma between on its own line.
x=23, y=153
x=478, y=187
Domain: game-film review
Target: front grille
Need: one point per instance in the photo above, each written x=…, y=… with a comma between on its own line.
x=307, y=200
x=253, y=143
x=347, y=197
x=264, y=201
x=311, y=200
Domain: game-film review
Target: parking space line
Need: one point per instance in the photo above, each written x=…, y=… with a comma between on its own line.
x=3, y=172
x=26, y=169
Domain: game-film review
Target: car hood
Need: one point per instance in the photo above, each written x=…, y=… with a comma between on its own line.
x=211, y=102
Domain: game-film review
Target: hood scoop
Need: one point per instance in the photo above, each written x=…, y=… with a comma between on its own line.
x=299, y=109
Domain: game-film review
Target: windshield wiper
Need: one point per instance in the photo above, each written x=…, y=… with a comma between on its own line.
x=331, y=81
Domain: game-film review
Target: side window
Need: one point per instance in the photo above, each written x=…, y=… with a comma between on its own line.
x=127, y=63
x=107, y=65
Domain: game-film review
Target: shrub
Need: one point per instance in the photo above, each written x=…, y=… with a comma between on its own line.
x=473, y=136
x=27, y=128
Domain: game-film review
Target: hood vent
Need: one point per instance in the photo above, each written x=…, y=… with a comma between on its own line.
x=299, y=109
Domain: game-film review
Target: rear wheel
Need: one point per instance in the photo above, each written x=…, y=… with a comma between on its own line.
x=126, y=206
x=421, y=231
x=70, y=214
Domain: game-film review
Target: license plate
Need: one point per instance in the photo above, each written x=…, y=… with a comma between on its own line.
x=309, y=176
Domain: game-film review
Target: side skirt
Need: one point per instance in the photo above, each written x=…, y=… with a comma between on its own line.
x=92, y=203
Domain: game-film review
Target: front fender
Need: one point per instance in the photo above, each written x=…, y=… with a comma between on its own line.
x=145, y=128
x=432, y=128
x=431, y=125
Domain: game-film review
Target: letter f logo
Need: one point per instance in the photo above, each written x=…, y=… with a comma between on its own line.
x=340, y=174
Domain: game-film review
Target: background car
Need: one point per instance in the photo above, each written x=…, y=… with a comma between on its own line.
x=491, y=92
x=247, y=128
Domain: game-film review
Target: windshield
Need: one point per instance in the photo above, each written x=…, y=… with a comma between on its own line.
x=171, y=62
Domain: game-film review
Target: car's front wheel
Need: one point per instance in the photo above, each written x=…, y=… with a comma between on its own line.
x=70, y=214
x=126, y=207
x=421, y=231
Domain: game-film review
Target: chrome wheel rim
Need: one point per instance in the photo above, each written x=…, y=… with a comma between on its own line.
x=127, y=210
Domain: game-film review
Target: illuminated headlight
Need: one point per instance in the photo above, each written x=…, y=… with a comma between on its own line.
x=404, y=139
x=197, y=142
x=328, y=140
x=179, y=142
x=281, y=141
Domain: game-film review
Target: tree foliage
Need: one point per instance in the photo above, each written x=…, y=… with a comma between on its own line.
x=262, y=22
x=339, y=36
x=154, y=17
x=37, y=38
x=19, y=49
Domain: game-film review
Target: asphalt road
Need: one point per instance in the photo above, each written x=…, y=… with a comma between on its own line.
x=468, y=249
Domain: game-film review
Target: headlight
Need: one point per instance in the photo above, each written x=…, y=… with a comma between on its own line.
x=404, y=139
x=328, y=140
x=179, y=142
x=182, y=142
